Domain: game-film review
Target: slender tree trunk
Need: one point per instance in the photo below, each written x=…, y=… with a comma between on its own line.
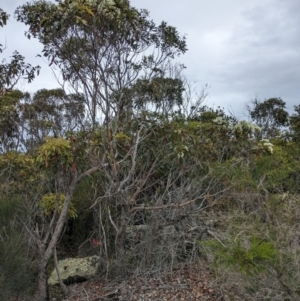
x=42, y=292
x=62, y=285
x=47, y=251
x=119, y=243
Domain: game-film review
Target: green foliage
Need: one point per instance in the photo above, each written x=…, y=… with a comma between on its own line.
x=17, y=270
x=295, y=124
x=48, y=21
x=50, y=113
x=18, y=172
x=91, y=41
x=250, y=260
x=206, y=114
x=235, y=174
x=270, y=116
x=55, y=152
x=3, y=17
x=11, y=72
x=25, y=120
x=279, y=171
x=9, y=120
x=161, y=91
x=51, y=201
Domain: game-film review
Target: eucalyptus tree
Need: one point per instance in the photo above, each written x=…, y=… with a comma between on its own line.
x=25, y=120
x=10, y=120
x=52, y=113
x=11, y=72
x=295, y=124
x=102, y=47
x=270, y=115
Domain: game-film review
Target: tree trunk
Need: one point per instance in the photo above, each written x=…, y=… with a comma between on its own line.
x=47, y=251
x=62, y=285
x=119, y=243
x=42, y=293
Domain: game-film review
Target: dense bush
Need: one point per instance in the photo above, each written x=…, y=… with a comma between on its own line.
x=17, y=268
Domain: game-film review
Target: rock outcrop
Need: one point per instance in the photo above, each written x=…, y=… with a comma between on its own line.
x=75, y=270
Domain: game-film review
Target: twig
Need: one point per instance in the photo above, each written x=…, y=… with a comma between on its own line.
x=111, y=220
x=212, y=234
x=62, y=285
x=162, y=207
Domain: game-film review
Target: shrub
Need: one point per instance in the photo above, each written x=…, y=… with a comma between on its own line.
x=17, y=271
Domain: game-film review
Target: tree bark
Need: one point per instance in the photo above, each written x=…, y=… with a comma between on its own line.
x=46, y=249
x=61, y=283
x=42, y=293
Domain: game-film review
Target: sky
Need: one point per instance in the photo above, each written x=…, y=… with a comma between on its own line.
x=241, y=50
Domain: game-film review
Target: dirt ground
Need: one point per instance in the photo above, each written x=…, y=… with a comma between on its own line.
x=191, y=282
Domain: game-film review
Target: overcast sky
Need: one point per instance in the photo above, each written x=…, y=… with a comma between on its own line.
x=241, y=49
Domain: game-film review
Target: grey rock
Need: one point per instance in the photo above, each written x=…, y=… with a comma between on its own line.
x=75, y=270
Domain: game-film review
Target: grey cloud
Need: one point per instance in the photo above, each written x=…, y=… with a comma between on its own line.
x=264, y=54
x=242, y=49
